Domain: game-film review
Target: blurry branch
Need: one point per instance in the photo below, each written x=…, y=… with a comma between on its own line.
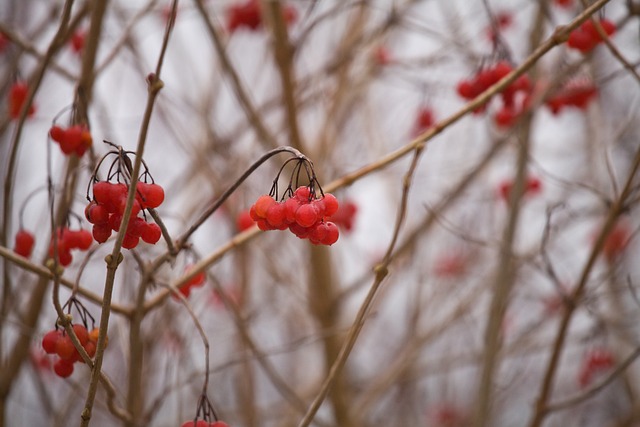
x=381, y=271
x=45, y=273
x=154, y=85
x=264, y=136
x=574, y=400
x=125, y=37
x=11, y=365
x=616, y=209
x=283, y=52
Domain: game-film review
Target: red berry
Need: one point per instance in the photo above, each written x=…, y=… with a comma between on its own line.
x=77, y=41
x=318, y=232
x=84, y=239
x=303, y=194
x=263, y=204
x=151, y=233
x=90, y=347
x=130, y=242
x=63, y=368
x=81, y=333
x=331, y=204
x=56, y=133
x=276, y=214
x=306, y=215
x=50, y=341
x=101, y=192
x=24, y=242
x=332, y=234
x=96, y=213
x=218, y=424
x=101, y=232
x=291, y=205
x=64, y=347
x=65, y=258
x=244, y=221
x=150, y=195
x=505, y=117
x=17, y=97
x=424, y=120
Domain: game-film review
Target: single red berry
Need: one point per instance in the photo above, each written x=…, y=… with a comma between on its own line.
x=24, y=242
x=101, y=192
x=151, y=233
x=90, y=347
x=115, y=219
x=263, y=204
x=96, y=213
x=332, y=234
x=244, y=221
x=318, y=232
x=56, y=133
x=306, y=215
x=505, y=117
x=291, y=205
x=303, y=194
x=50, y=341
x=130, y=242
x=84, y=240
x=64, y=347
x=17, y=97
x=276, y=214
x=424, y=120
x=151, y=195
x=77, y=41
x=63, y=368
x=101, y=232
x=331, y=204
x=81, y=333
x=65, y=258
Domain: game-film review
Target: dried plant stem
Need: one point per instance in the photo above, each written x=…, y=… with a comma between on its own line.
x=617, y=208
x=114, y=259
x=264, y=136
x=381, y=271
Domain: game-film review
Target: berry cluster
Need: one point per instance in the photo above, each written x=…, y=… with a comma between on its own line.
x=108, y=204
x=487, y=77
x=586, y=36
x=17, y=98
x=577, y=93
x=203, y=423
x=596, y=361
x=59, y=343
x=303, y=214
x=249, y=15
x=68, y=240
x=75, y=139
x=345, y=215
x=532, y=186
x=196, y=281
x=24, y=242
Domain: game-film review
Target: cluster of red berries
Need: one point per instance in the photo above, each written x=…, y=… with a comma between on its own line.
x=596, y=361
x=249, y=15
x=108, y=204
x=24, y=242
x=17, y=98
x=59, y=343
x=425, y=118
x=577, y=93
x=503, y=20
x=487, y=77
x=533, y=185
x=203, y=423
x=75, y=139
x=303, y=214
x=586, y=36
x=345, y=216
x=196, y=281
x=69, y=240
